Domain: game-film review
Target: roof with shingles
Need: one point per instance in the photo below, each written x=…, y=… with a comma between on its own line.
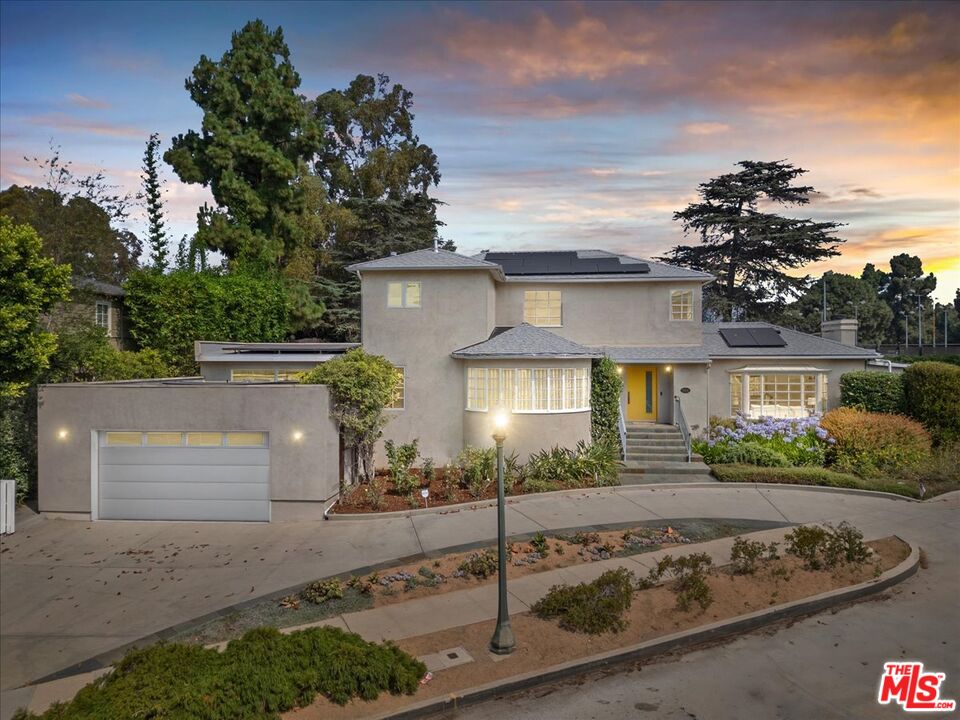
x=525, y=341
x=676, y=354
x=425, y=260
x=799, y=344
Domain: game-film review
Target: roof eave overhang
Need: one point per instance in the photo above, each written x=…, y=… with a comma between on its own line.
x=494, y=270
x=525, y=356
x=602, y=278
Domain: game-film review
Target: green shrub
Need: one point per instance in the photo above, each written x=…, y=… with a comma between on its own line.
x=536, y=485
x=593, y=608
x=428, y=470
x=749, y=453
x=597, y=464
x=257, y=677
x=540, y=544
x=827, y=546
x=932, y=396
x=874, y=443
x=480, y=564
x=606, y=387
x=745, y=554
x=321, y=591
x=450, y=481
x=872, y=391
x=479, y=467
x=689, y=575
x=400, y=459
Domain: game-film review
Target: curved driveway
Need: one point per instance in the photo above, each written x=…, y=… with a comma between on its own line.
x=70, y=590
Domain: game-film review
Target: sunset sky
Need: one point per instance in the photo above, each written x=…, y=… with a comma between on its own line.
x=556, y=125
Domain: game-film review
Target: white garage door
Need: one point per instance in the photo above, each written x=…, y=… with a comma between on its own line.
x=166, y=475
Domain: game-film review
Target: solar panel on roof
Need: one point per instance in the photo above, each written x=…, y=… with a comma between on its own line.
x=562, y=263
x=767, y=337
x=752, y=337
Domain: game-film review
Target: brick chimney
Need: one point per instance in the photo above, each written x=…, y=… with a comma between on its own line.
x=842, y=331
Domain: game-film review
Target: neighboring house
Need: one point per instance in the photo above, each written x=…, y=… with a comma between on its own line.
x=99, y=303
x=516, y=331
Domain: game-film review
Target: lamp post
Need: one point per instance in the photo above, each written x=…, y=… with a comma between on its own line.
x=502, y=641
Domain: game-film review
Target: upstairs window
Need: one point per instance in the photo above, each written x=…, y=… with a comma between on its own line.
x=542, y=308
x=681, y=305
x=102, y=317
x=403, y=294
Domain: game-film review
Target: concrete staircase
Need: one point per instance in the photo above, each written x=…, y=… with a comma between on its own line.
x=656, y=453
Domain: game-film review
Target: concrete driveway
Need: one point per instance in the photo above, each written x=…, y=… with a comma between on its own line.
x=70, y=590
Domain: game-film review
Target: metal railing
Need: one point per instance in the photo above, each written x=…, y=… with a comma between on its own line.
x=681, y=422
x=622, y=426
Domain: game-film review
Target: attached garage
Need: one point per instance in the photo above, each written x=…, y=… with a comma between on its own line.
x=183, y=475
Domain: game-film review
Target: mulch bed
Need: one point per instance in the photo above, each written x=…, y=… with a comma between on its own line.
x=357, y=498
x=542, y=643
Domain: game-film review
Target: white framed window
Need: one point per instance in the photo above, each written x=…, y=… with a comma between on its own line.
x=403, y=294
x=681, y=304
x=102, y=317
x=542, y=308
x=399, y=392
x=529, y=390
x=778, y=394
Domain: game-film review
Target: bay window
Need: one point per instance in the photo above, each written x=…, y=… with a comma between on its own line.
x=529, y=390
x=778, y=393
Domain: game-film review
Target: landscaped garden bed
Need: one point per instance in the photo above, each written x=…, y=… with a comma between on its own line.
x=846, y=448
x=743, y=587
x=456, y=571
x=472, y=477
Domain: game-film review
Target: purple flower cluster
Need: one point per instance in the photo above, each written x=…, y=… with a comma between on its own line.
x=788, y=429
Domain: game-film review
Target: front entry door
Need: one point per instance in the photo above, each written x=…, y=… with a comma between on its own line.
x=642, y=393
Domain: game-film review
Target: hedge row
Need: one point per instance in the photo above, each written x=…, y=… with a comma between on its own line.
x=932, y=396
x=872, y=391
x=809, y=476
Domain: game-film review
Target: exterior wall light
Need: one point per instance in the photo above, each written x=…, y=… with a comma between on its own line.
x=667, y=368
x=297, y=435
x=62, y=434
x=619, y=369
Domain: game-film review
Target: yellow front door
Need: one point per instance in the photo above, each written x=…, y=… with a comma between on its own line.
x=642, y=393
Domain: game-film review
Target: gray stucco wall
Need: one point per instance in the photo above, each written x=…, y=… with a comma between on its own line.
x=304, y=471
x=456, y=311
x=611, y=313
x=695, y=402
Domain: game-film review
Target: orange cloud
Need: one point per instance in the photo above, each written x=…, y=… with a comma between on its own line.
x=69, y=123
x=84, y=101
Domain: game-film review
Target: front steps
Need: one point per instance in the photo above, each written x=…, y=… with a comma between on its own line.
x=656, y=453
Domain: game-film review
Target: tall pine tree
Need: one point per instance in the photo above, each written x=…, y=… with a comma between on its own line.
x=152, y=193
x=748, y=248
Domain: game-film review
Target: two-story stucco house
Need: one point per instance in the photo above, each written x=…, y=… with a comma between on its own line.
x=518, y=331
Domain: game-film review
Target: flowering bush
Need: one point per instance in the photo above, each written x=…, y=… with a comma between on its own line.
x=875, y=443
x=802, y=441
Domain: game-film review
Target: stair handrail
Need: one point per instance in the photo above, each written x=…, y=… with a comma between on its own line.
x=622, y=426
x=681, y=422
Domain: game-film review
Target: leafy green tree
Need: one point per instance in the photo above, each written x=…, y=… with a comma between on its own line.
x=847, y=297
x=84, y=354
x=153, y=195
x=256, y=130
x=902, y=287
x=30, y=285
x=376, y=167
x=362, y=386
x=169, y=312
x=748, y=248
x=606, y=387
x=74, y=230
